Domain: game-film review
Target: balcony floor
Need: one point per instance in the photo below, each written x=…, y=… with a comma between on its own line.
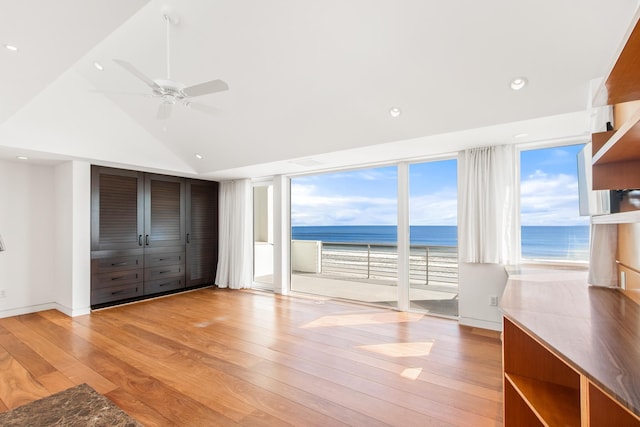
x=439, y=299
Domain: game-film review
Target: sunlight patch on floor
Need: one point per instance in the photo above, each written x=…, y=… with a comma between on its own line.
x=405, y=349
x=363, y=319
x=411, y=373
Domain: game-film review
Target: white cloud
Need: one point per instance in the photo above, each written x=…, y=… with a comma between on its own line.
x=434, y=209
x=308, y=207
x=548, y=199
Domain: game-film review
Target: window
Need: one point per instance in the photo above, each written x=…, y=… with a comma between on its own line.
x=343, y=235
x=552, y=228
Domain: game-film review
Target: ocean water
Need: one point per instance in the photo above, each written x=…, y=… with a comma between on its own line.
x=538, y=242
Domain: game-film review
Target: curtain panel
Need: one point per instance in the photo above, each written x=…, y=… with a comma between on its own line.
x=489, y=225
x=235, y=258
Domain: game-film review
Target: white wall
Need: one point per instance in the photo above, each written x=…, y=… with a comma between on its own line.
x=477, y=283
x=306, y=256
x=28, y=227
x=45, y=224
x=73, y=244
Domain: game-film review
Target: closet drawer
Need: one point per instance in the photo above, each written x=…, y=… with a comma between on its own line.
x=164, y=272
x=115, y=293
x=160, y=259
x=157, y=286
x=117, y=263
x=117, y=278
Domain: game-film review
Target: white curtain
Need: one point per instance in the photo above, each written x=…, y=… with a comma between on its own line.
x=235, y=259
x=603, y=270
x=489, y=212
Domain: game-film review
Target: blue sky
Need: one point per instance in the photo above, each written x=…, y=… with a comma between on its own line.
x=549, y=193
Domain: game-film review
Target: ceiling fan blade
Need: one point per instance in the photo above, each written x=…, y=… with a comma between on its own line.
x=202, y=108
x=205, y=88
x=133, y=70
x=164, y=111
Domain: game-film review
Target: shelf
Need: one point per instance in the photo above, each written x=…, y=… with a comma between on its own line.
x=622, y=82
x=623, y=145
x=617, y=218
x=554, y=404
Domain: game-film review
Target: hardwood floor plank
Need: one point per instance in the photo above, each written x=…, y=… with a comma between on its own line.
x=17, y=385
x=24, y=355
x=129, y=403
x=55, y=381
x=221, y=357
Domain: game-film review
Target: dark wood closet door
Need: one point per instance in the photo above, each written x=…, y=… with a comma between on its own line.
x=165, y=211
x=202, y=232
x=117, y=209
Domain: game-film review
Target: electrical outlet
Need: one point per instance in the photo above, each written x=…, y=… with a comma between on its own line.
x=493, y=300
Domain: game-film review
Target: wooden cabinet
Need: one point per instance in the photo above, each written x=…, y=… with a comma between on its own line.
x=202, y=232
x=616, y=158
x=570, y=352
x=150, y=234
x=117, y=215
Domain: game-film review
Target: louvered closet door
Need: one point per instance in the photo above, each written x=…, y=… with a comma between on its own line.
x=165, y=211
x=202, y=232
x=117, y=213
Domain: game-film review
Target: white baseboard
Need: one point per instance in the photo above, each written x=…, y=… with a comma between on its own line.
x=477, y=323
x=43, y=307
x=28, y=309
x=72, y=312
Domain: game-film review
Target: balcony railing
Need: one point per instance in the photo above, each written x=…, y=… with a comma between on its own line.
x=428, y=265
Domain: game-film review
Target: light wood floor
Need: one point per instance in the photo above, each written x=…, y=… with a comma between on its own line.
x=220, y=357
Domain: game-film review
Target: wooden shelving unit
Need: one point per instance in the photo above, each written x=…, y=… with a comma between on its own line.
x=616, y=158
x=547, y=385
x=570, y=352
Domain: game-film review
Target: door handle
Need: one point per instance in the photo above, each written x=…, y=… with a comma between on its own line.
x=147, y=239
x=139, y=239
x=188, y=238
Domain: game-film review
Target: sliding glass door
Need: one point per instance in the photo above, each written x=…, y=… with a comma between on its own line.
x=344, y=228
x=263, y=235
x=433, y=263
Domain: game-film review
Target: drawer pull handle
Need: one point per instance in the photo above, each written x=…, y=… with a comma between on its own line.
x=188, y=238
x=139, y=239
x=115, y=264
x=164, y=272
x=164, y=284
x=162, y=259
x=147, y=239
x=117, y=278
x=117, y=292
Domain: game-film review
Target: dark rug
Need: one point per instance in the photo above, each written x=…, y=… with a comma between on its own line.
x=77, y=406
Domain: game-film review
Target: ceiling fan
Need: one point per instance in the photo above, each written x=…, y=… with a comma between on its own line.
x=171, y=91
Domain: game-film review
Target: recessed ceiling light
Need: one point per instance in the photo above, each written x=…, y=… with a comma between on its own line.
x=198, y=156
x=10, y=47
x=98, y=66
x=521, y=135
x=22, y=158
x=395, y=112
x=518, y=83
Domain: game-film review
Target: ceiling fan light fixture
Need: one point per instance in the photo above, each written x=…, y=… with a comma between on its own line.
x=395, y=112
x=198, y=156
x=518, y=83
x=98, y=66
x=10, y=47
x=22, y=158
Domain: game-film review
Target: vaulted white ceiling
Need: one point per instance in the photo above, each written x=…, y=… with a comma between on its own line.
x=311, y=82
